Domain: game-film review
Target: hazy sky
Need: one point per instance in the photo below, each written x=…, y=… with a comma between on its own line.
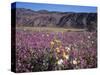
x=55, y=7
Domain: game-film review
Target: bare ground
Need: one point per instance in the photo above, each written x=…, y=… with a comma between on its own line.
x=50, y=29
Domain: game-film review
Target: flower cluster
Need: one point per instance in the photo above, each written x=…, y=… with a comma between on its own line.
x=45, y=51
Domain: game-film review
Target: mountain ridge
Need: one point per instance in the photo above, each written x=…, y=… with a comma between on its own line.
x=45, y=18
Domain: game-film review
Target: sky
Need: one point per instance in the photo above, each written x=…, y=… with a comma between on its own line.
x=54, y=7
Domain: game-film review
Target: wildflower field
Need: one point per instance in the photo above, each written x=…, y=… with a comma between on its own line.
x=62, y=50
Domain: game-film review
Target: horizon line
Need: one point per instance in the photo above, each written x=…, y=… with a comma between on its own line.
x=54, y=7
x=54, y=11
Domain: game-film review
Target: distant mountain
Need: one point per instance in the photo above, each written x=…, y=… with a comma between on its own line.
x=44, y=18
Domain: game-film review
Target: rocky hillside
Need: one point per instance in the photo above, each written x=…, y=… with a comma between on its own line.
x=44, y=18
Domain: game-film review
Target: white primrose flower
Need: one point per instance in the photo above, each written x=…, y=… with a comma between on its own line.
x=60, y=62
x=75, y=62
x=67, y=48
